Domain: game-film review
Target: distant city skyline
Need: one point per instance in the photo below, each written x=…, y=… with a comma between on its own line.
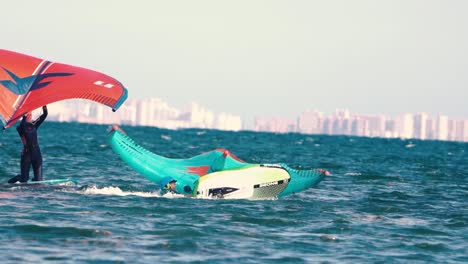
x=158, y=113
x=261, y=58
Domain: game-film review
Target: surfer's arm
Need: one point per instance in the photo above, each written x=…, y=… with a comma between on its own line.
x=41, y=119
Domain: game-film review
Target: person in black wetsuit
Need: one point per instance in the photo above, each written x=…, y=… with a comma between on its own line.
x=31, y=153
x=168, y=185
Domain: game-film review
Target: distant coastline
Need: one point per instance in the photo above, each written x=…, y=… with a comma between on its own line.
x=158, y=113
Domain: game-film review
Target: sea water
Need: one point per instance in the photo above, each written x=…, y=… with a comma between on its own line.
x=387, y=201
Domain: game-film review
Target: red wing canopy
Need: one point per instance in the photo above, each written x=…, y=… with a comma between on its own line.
x=27, y=83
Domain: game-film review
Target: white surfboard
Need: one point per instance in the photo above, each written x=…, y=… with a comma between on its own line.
x=256, y=182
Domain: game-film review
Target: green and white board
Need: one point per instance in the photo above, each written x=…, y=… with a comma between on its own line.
x=256, y=182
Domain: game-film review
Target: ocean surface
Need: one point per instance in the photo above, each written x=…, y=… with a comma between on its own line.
x=387, y=201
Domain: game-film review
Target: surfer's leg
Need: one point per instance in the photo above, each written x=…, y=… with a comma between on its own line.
x=25, y=165
x=37, y=166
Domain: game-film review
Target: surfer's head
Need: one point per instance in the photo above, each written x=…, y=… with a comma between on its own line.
x=168, y=184
x=27, y=117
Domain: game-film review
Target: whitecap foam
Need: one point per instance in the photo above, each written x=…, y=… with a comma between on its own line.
x=117, y=192
x=401, y=221
x=353, y=174
x=366, y=218
x=408, y=221
x=173, y=195
x=166, y=137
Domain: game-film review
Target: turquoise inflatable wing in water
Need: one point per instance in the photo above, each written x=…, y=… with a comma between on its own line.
x=217, y=173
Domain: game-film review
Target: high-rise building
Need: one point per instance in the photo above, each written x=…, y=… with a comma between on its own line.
x=310, y=122
x=391, y=128
x=464, y=134
x=430, y=128
x=461, y=132
x=338, y=122
x=327, y=125
x=405, y=126
x=420, y=125
x=377, y=126
x=441, y=127
x=451, y=129
x=226, y=121
x=128, y=112
x=277, y=124
x=360, y=126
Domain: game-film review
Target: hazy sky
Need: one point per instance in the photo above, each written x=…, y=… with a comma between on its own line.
x=260, y=58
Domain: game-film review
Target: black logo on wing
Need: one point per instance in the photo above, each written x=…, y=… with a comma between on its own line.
x=21, y=86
